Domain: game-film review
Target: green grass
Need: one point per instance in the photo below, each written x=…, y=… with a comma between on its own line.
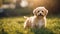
x=14, y=25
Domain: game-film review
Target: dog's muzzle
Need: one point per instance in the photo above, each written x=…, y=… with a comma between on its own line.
x=40, y=14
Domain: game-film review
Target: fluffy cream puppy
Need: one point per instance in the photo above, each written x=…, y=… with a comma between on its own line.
x=38, y=20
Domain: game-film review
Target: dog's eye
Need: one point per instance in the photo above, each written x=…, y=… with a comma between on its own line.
x=38, y=11
x=42, y=11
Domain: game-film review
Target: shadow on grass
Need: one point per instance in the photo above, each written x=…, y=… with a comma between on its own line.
x=20, y=22
x=42, y=31
x=3, y=32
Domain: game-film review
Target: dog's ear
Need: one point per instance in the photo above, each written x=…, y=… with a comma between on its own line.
x=46, y=11
x=34, y=11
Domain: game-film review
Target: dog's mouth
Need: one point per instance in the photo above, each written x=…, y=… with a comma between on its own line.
x=40, y=14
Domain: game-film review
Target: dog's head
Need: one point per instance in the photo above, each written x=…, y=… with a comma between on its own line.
x=40, y=11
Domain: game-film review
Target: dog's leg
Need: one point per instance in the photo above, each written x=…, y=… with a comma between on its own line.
x=27, y=23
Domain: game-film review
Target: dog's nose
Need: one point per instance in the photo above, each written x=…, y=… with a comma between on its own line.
x=40, y=14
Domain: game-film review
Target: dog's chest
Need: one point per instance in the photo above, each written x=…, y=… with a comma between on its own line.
x=38, y=22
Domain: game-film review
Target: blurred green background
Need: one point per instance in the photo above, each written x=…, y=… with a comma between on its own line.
x=24, y=7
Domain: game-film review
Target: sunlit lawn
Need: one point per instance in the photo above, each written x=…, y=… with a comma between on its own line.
x=14, y=25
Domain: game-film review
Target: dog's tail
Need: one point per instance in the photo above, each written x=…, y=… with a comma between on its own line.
x=26, y=17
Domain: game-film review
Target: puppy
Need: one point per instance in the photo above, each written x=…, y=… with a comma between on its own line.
x=38, y=20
